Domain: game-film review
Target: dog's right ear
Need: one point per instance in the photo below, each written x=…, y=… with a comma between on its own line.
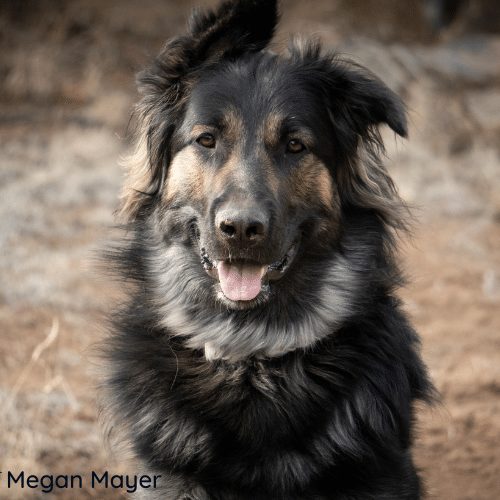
x=234, y=28
x=237, y=26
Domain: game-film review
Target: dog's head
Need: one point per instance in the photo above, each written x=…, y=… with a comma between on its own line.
x=249, y=160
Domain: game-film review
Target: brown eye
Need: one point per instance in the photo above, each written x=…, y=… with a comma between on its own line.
x=206, y=140
x=295, y=146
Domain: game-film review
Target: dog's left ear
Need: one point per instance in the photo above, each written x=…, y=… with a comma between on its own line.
x=234, y=28
x=355, y=98
x=360, y=102
x=356, y=104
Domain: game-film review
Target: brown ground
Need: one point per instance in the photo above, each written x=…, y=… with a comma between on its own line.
x=66, y=72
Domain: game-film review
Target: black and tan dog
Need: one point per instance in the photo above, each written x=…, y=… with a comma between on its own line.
x=262, y=353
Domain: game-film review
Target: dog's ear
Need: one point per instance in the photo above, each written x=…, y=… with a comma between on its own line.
x=237, y=26
x=359, y=102
x=234, y=28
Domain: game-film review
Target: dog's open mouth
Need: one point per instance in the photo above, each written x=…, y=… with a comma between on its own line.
x=243, y=280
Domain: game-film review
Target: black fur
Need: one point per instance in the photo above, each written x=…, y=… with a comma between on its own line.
x=312, y=393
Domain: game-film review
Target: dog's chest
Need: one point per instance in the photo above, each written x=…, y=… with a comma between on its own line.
x=241, y=419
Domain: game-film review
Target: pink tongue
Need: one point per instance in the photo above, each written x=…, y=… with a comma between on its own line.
x=240, y=281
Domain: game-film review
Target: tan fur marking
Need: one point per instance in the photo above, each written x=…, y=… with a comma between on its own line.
x=269, y=132
x=185, y=177
x=137, y=181
x=324, y=186
x=199, y=129
x=324, y=189
x=233, y=124
x=311, y=183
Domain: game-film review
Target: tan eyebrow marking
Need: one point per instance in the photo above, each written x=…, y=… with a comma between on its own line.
x=271, y=129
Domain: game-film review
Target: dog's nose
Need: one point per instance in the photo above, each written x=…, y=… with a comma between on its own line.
x=242, y=227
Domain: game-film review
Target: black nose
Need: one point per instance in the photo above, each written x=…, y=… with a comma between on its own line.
x=242, y=227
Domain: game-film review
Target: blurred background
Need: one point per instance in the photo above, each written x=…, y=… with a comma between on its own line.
x=66, y=91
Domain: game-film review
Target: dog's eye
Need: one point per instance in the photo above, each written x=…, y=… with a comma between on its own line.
x=295, y=146
x=206, y=140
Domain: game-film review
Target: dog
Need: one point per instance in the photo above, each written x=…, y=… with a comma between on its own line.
x=262, y=352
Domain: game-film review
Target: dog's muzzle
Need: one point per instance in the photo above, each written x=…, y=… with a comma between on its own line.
x=243, y=280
